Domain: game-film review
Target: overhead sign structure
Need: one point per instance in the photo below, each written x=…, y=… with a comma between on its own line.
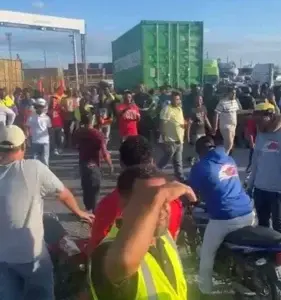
x=40, y=22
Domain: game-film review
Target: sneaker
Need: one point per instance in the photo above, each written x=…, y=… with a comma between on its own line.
x=56, y=152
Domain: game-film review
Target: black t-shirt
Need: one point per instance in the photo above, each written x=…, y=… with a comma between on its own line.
x=143, y=101
x=105, y=109
x=127, y=290
x=247, y=101
x=198, y=117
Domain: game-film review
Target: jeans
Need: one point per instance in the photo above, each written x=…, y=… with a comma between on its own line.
x=41, y=152
x=214, y=235
x=90, y=183
x=268, y=204
x=57, y=138
x=67, y=132
x=173, y=151
x=28, y=281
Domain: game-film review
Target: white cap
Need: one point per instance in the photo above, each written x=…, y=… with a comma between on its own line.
x=40, y=102
x=12, y=135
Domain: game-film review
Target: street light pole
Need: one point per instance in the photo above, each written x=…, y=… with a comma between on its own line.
x=45, y=58
x=74, y=49
x=9, y=39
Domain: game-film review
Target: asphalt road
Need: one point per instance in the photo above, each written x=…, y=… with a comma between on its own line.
x=65, y=167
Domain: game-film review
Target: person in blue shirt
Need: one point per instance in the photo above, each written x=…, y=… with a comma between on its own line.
x=215, y=177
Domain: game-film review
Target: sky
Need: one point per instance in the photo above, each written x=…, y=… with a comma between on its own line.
x=241, y=30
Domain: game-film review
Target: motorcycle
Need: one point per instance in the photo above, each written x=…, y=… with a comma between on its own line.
x=69, y=258
x=249, y=258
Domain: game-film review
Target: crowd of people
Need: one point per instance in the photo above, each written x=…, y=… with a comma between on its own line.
x=132, y=250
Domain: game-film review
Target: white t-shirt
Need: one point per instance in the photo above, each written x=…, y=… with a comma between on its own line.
x=39, y=125
x=227, y=110
x=23, y=185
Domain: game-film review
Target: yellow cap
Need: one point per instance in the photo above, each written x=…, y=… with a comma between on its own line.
x=11, y=134
x=264, y=106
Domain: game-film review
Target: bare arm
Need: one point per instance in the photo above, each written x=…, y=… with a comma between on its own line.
x=67, y=198
x=51, y=185
x=189, y=124
x=106, y=156
x=140, y=219
x=216, y=121
x=10, y=115
x=252, y=177
x=207, y=122
x=245, y=111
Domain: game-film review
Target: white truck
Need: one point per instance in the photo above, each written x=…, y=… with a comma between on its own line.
x=263, y=73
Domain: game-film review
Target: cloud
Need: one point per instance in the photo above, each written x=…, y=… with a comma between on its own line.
x=38, y=4
x=207, y=30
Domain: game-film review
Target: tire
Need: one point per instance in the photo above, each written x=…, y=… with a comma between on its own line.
x=69, y=281
x=263, y=286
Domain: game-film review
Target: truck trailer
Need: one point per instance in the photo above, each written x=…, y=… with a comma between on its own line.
x=157, y=53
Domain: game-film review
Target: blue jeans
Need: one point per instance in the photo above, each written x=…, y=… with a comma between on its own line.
x=41, y=152
x=173, y=151
x=29, y=281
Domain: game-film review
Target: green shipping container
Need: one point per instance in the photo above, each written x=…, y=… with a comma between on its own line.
x=159, y=52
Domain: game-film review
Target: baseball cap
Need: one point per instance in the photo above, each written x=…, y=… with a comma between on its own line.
x=265, y=106
x=11, y=134
x=40, y=102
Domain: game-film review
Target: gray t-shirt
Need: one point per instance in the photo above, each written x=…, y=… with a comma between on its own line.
x=23, y=184
x=266, y=162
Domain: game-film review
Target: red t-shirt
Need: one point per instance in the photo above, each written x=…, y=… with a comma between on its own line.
x=128, y=121
x=251, y=128
x=90, y=143
x=56, y=114
x=108, y=210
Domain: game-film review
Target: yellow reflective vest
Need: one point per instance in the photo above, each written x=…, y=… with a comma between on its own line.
x=152, y=282
x=112, y=233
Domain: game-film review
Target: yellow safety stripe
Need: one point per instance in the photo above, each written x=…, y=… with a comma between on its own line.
x=173, y=244
x=90, y=282
x=148, y=279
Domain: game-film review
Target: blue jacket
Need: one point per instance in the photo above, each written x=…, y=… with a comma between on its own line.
x=215, y=177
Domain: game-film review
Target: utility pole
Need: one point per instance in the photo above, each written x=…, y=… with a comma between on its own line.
x=9, y=39
x=74, y=49
x=45, y=58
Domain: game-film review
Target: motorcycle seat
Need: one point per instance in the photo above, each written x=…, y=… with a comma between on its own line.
x=255, y=236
